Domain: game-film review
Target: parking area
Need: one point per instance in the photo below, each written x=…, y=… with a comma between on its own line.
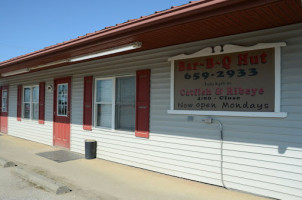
x=97, y=179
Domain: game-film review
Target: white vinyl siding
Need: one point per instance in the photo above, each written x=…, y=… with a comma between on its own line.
x=261, y=155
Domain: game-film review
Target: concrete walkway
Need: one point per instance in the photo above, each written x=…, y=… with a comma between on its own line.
x=101, y=179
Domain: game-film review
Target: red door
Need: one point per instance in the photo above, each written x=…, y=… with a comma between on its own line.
x=61, y=118
x=4, y=109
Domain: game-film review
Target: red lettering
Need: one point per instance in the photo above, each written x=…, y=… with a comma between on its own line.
x=229, y=91
x=247, y=91
x=241, y=91
x=254, y=60
x=242, y=59
x=208, y=92
x=261, y=91
x=181, y=66
x=226, y=62
x=254, y=91
x=182, y=92
x=218, y=91
x=210, y=63
x=263, y=58
x=195, y=65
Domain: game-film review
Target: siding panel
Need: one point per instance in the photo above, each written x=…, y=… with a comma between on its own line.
x=30, y=129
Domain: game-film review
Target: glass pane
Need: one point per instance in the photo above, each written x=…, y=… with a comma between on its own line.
x=125, y=117
x=36, y=111
x=4, y=104
x=26, y=110
x=125, y=90
x=62, y=99
x=125, y=103
x=104, y=115
x=104, y=91
x=4, y=94
x=35, y=94
x=26, y=94
x=4, y=101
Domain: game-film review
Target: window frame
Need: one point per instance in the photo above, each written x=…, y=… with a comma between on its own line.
x=31, y=103
x=113, y=102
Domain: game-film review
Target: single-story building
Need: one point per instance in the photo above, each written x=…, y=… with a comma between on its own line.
x=208, y=91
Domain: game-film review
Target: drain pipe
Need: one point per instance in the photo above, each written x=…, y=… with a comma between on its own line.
x=210, y=120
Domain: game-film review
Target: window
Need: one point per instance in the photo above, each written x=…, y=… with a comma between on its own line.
x=4, y=100
x=62, y=101
x=31, y=102
x=115, y=103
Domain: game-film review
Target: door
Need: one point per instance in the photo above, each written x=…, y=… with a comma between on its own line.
x=62, y=95
x=4, y=109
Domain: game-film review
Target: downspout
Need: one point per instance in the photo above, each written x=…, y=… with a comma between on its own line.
x=211, y=121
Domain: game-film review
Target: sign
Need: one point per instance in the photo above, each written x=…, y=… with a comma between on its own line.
x=240, y=81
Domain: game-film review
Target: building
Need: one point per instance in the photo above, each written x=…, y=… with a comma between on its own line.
x=208, y=91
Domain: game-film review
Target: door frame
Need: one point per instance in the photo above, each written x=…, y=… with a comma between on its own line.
x=55, y=83
x=2, y=119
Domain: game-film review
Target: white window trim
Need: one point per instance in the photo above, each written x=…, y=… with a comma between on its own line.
x=232, y=49
x=58, y=100
x=31, y=102
x=113, y=78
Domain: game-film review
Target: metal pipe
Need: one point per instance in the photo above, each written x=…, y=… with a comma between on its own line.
x=211, y=121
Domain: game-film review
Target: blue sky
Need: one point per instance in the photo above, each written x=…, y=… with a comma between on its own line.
x=30, y=25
